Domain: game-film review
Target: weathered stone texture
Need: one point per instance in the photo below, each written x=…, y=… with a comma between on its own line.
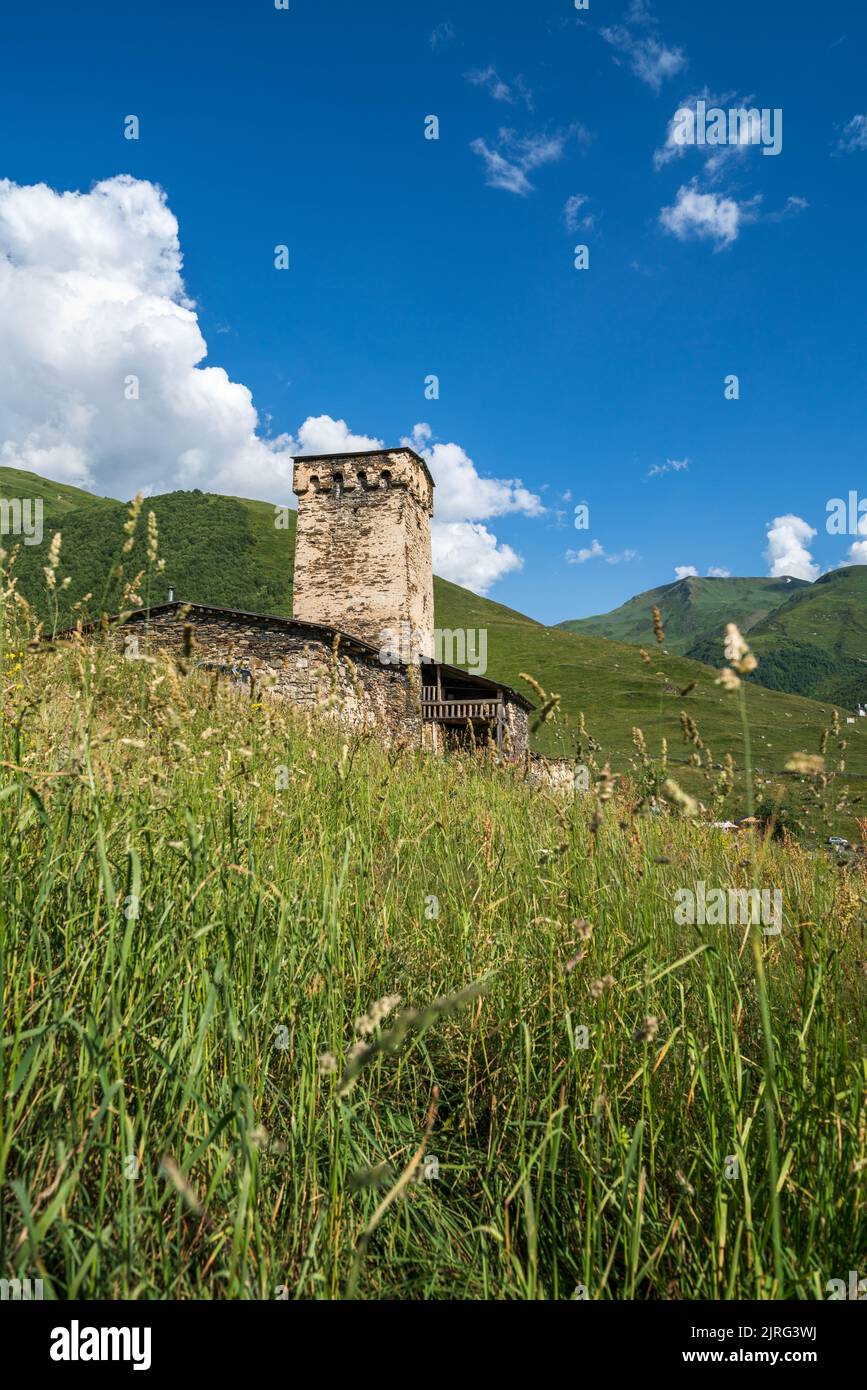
x=363, y=549
x=516, y=728
x=290, y=664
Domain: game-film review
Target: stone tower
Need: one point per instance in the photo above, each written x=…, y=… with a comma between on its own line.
x=363, y=548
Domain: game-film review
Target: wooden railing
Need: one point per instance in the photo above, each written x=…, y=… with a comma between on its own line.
x=433, y=709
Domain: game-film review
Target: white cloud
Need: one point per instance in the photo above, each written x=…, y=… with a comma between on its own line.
x=443, y=33
x=596, y=551
x=580, y=557
x=461, y=493
x=494, y=85
x=467, y=553
x=639, y=13
x=715, y=157
x=571, y=210
x=716, y=572
x=91, y=293
x=787, y=553
x=792, y=206
x=858, y=549
x=670, y=466
x=854, y=135
x=685, y=572
x=464, y=550
x=320, y=434
x=706, y=215
x=512, y=157
x=649, y=58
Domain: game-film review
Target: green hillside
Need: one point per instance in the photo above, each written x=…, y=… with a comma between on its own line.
x=228, y=552
x=816, y=643
x=692, y=610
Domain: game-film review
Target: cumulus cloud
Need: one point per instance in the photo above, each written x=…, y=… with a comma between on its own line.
x=320, y=434
x=716, y=572
x=670, y=466
x=685, y=572
x=706, y=216
x=596, y=551
x=510, y=159
x=858, y=550
x=463, y=549
x=462, y=494
x=787, y=552
x=92, y=295
x=467, y=553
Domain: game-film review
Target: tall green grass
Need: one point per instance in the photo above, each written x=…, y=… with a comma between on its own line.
x=202, y=894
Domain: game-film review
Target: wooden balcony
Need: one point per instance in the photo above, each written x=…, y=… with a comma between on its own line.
x=456, y=711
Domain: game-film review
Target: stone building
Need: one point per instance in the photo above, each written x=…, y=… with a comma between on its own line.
x=363, y=577
x=363, y=547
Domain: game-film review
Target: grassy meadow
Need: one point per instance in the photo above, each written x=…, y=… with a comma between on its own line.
x=290, y=1014
x=227, y=551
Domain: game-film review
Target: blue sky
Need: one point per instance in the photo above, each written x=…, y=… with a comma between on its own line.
x=306, y=128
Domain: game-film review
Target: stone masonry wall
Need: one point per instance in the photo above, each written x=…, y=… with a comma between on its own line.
x=363, y=548
x=516, y=729
x=356, y=689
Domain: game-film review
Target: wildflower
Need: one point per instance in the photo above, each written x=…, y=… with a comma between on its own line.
x=327, y=1064
x=737, y=651
x=131, y=522
x=53, y=561
x=657, y=625
x=598, y=987
x=646, y=1030
x=369, y=1022
x=687, y=804
x=685, y=1183
x=582, y=929
x=727, y=679
x=808, y=764
x=153, y=538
